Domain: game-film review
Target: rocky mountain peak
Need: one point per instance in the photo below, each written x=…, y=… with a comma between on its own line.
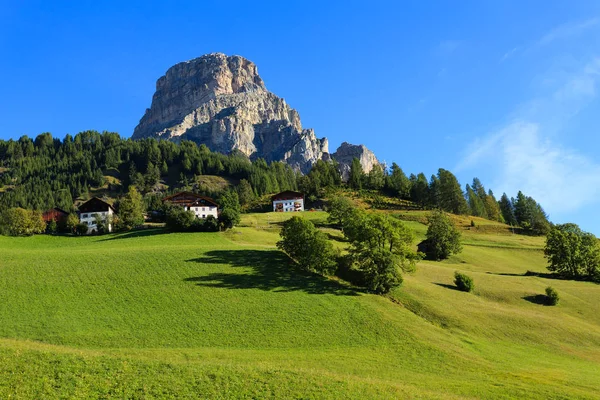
x=347, y=152
x=221, y=101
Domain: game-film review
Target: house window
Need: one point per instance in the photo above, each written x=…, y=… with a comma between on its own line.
x=84, y=216
x=203, y=215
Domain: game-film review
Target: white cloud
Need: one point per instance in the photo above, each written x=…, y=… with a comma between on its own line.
x=568, y=30
x=522, y=155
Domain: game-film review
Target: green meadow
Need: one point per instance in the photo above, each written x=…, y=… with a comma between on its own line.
x=148, y=314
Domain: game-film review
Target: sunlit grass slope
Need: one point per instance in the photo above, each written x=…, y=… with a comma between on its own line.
x=225, y=315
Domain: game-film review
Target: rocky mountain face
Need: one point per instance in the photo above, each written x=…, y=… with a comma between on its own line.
x=347, y=152
x=222, y=102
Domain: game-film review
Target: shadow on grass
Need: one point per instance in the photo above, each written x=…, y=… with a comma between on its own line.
x=272, y=270
x=447, y=286
x=137, y=234
x=537, y=299
x=545, y=275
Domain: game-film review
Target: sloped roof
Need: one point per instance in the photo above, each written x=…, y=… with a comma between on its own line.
x=189, y=197
x=95, y=204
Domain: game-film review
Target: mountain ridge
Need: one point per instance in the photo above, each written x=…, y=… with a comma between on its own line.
x=221, y=101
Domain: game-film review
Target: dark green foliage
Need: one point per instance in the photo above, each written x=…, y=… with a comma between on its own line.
x=419, y=189
x=450, y=195
x=230, y=209
x=463, y=282
x=179, y=220
x=245, y=192
x=308, y=246
x=81, y=229
x=340, y=208
x=530, y=215
x=357, y=175
x=51, y=227
x=507, y=210
x=398, y=183
x=443, y=238
x=572, y=253
x=552, y=297
x=48, y=173
x=381, y=247
x=476, y=204
x=131, y=210
x=21, y=222
x=376, y=178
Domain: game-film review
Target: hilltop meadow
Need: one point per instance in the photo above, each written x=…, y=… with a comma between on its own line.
x=150, y=314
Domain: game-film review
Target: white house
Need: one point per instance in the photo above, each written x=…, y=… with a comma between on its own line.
x=288, y=201
x=201, y=206
x=93, y=208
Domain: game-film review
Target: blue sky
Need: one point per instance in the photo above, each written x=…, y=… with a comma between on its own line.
x=505, y=91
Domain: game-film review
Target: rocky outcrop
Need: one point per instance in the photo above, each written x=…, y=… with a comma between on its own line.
x=222, y=102
x=347, y=152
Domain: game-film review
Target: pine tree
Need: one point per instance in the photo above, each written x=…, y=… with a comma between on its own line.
x=357, y=175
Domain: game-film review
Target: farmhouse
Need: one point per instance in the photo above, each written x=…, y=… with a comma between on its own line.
x=92, y=208
x=56, y=214
x=201, y=206
x=288, y=201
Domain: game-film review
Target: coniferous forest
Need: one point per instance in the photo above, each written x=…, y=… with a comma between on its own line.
x=46, y=172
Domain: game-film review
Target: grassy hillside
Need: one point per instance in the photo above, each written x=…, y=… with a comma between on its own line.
x=224, y=315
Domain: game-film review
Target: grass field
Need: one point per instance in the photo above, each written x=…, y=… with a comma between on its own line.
x=225, y=315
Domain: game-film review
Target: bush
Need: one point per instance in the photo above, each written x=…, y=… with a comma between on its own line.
x=179, y=220
x=21, y=222
x=463, y=282
x=81, y=229
x=551, y=296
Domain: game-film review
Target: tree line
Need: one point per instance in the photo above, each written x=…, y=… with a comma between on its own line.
x=45, y=172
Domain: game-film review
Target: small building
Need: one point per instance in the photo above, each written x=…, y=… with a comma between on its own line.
x=92, y=208
x=56, y=214
x=201, y=206
x=288, y=201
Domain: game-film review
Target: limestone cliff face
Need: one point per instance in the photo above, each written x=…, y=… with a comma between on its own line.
x=347, y=152
x=222, y=102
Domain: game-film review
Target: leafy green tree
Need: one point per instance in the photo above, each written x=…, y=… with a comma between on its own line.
x=443, y=238
x=230, y=209
x=308, y=246
x=179, y=220
x=357, y=175
x=131, y=209
x=492, y=207
x=381, y=247
x=340, y=208
x=572, y=252
x=463, y=282
x=21, y=222
x=72, y=222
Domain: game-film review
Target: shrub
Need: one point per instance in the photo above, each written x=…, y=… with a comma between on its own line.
x=551, y=296
x=21, y=222
x=463, y=282
x=81, y=229
x=473, y=224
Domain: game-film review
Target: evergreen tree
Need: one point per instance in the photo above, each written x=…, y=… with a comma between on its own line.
x=476, y=205
x=507, y=210
x=398, y=183
x=376, y=178
x=357, y=176
x=451, y=197
x=131, y=210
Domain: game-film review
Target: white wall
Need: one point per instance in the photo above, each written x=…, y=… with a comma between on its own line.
x=90, y=219
x=288, y=205
x=203, y=211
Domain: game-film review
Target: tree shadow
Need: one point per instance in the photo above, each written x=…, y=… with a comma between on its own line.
x=137, y=234
x=272, y=271
x=537, y=299
x=445, y=285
